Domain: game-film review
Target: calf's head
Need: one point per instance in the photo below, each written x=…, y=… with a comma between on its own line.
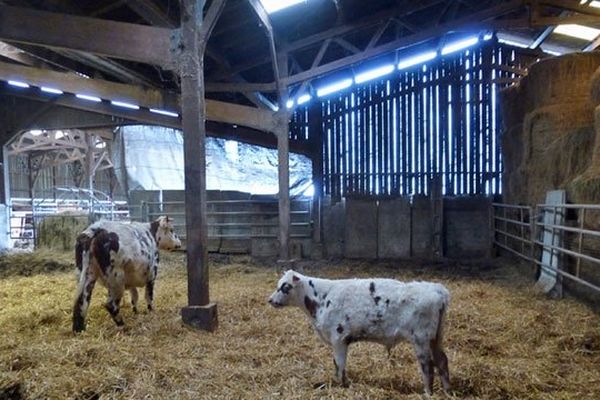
x=289, y=290
x=163, y=232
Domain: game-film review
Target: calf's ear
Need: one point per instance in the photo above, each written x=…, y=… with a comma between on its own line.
x=295, y=278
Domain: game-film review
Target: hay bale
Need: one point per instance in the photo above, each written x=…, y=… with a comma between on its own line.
x=595, y=87
x=60, y=231
x=559, y=80
x=549, y=138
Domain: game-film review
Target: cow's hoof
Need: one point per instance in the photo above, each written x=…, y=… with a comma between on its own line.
x=78, y=325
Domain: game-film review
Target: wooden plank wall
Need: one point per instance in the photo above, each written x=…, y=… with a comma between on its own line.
x=390, y=137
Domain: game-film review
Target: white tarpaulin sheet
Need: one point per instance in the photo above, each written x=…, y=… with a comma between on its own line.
x=151, y=158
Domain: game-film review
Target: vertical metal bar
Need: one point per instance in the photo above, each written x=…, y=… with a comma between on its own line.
x=521, y=229
x=532, y=233
x=580, y=242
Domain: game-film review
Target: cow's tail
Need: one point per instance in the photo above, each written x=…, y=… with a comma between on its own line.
x=437, y=346
x=445, y=301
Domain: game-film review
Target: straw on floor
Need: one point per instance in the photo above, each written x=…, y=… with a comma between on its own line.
x=504, y=340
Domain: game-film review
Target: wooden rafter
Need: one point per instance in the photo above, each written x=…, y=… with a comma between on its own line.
x=471, y=22
x=114, y=39
x=149, y=98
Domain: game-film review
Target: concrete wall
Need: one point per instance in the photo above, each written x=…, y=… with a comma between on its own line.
x=333, y=227
x=394, y=228
x=402, y=228
x=467, y=227
x=361, y=229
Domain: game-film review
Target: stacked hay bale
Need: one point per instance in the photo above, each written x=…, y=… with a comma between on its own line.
x=549, y=131
x=551, y=140
x=58, y=232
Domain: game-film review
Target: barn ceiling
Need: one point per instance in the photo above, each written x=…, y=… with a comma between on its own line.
x=316, y=39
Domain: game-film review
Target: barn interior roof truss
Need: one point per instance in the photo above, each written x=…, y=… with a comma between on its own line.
x=255, y=60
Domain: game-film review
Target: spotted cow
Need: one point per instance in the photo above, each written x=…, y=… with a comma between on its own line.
x=384, y=311
x=122, y=256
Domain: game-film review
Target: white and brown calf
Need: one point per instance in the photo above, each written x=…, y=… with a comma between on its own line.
x=122, y=256
x=384, y=311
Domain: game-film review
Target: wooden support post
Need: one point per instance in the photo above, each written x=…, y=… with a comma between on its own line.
x=315, y=132
x=280, y=66
x=5, y=176
x=88, y=170
x=199, y=313
x=283, y=159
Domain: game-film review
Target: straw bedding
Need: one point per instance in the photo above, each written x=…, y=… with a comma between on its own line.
x=504, y=340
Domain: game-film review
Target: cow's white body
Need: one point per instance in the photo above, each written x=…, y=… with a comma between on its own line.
x=384, y=311
x=121, y=256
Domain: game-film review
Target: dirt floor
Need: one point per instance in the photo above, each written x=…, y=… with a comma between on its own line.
x=504, y=340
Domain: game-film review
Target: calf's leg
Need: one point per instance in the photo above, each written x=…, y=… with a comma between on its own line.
x=441, y=362
x=340, y=353
x=113, y=303
x=149, y=294
x=82, y=300
x=134, y=299
x=423, y=352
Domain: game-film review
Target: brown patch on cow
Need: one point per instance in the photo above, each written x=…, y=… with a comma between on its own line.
x=103, y=243
x=311, y=305
x=376, y=299
x=154, y=228
x=372, y=287
x=340, y=328
x=82, y=244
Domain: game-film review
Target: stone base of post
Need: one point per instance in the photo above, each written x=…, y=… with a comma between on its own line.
x=201, y=317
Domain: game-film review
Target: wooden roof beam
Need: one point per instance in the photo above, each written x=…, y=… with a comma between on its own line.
x=121, y=40
x=266, y=23
x=143, y=97
x=470, y=22
x=570, y=5
x=338, y=31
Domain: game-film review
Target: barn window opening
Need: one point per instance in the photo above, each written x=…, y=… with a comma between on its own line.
x=578, y=31
x=272, y=6
x=514, y=43
x=18, y=84
x=303, y=99
x=51, y=90
x=332, y=88
x=373, y=73
x=437, y=120
x=460, y=45
x=125, y=105
x=164, y=112
x=416, y=60
x=87, y=97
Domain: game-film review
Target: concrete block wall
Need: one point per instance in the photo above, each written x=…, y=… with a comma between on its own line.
x=402, y=228
x=467, y=227
x=360, y=236
x=394, y=228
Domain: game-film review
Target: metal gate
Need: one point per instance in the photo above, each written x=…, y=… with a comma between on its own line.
x=519, y=230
